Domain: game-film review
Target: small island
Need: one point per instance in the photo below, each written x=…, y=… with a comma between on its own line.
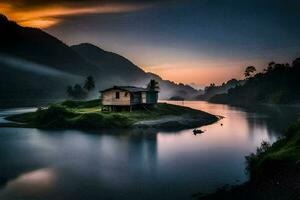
x=118, y=107
x=90, y=115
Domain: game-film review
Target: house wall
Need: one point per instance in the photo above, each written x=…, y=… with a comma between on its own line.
x=144, y=97
x=135, y=98
x=109, y=98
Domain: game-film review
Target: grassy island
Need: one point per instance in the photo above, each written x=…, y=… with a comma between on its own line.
x=274, y=171
x=88, y=115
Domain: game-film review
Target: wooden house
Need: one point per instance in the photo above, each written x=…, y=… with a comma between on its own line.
x=120, y=98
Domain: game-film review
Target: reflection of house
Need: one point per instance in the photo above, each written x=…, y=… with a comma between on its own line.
x=128, y=97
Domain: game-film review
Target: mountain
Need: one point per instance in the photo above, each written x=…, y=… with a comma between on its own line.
x=35, y=65
x=278, y=84
x=213, y=89
x=109, y=62
x=122, y=71
x=115, y=69
x=39, y=47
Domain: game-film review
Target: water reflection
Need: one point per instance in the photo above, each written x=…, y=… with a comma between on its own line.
x=104, y=161
x=135, y=164
x=30, y=185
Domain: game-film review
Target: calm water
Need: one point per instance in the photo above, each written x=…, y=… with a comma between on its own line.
x=124, y=164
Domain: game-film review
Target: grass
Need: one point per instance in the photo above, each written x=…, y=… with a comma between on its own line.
x=88, y=115
x=274, y=172
x=82, y=106
x=285, y=150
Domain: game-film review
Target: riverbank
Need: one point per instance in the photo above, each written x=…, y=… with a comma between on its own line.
x=88, y=115
x=274, y=171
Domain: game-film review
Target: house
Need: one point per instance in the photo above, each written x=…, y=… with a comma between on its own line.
x=120, y=98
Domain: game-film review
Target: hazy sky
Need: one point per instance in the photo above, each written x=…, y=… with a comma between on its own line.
x=200, y=41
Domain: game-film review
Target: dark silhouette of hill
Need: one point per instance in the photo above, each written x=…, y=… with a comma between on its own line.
x=37, y=46
x=279, y=84
x=124, y=71
x=213, y=89
x=109, y=62
x=34, y=64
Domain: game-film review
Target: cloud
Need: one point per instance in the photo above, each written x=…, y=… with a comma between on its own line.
x=43, y=14
x=24, y=4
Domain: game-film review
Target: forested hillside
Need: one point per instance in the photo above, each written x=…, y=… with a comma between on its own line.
x=278, y=84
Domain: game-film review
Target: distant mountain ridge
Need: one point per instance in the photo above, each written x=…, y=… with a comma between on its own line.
x=213, y=89
x=111, y=65
x=119, y=68
x=277, y=84
x=37, y=46
x=102, y=58
x=23, y=50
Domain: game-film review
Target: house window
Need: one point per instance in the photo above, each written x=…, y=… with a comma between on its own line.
x=126, y=94
x=117, y=95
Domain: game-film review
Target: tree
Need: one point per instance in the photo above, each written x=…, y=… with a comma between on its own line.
x=76, y=92
x=210, y=88
x=270, y=66
x=89, y=83
x=249, y=71
x=233, y=82
x=296, y=62
x=79, y=92
x=70, y=91
x=153, y=85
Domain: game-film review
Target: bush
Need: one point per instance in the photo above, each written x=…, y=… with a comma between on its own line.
x=251, y=160
x=89, y=121
x=55, y=116
x=81, y=104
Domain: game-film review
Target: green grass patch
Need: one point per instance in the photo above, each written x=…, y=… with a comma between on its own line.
x=285, y=150
x=81, y=104
x=88, y=115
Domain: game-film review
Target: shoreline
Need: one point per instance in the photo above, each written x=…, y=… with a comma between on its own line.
x=87, y=116
x=274, y=171
x=169, y=122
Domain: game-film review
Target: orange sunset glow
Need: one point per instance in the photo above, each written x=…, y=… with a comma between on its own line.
x=44, y=17
x=201, y=76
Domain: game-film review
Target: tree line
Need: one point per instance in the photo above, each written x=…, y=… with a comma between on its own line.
x=277, y=83
x=81, y=91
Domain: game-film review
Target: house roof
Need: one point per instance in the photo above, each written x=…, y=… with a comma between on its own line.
x=127, y=88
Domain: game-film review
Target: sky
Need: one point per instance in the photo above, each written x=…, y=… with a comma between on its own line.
x=189, y=41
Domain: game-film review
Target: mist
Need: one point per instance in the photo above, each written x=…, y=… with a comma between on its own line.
x=39, y=69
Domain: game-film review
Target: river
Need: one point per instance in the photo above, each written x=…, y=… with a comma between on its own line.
x=128, y=164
